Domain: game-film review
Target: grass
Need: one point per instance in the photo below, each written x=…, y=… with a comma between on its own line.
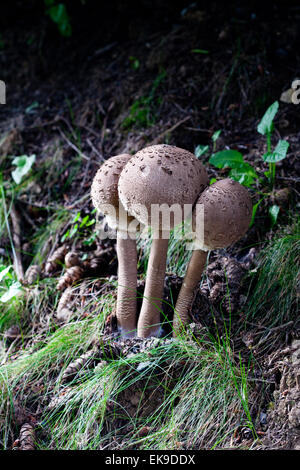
x=198, y=388
x=143, y=112
x=274, y=299
x=41, y=364
x=193, y=385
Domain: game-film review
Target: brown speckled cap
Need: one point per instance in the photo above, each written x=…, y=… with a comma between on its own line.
x=227, y=214
x=104, y=190
x=160, y=174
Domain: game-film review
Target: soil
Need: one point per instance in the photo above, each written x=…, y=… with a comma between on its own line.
x=69, y=102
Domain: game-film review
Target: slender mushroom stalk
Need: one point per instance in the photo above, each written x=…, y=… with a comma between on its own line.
x=227, y=214
x=167, y=178
x=127, y=283
x=149, y=319
x=105, y=198
x=186, y=295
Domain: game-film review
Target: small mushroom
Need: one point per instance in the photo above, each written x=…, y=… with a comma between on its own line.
x=157, y=178
x=105, y=198
x=227, y=211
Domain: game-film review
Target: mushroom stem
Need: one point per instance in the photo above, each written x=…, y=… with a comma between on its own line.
x=149, y=319
x=186, y=294
x=127, y=284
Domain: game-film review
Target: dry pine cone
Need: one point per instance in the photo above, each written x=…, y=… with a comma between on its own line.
x=27, y=437
x=71, y=275
x=55, y=260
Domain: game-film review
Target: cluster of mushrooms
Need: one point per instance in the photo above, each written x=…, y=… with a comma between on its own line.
x=156, y=175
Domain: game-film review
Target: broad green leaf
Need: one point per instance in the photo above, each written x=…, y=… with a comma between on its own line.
x=226, y=159
x=244, y=173
x=212, y=181
x=201, y=150
x=265, y=125
x=23, y=164
x=14, y=290
x=273, y=212
x=279, y=153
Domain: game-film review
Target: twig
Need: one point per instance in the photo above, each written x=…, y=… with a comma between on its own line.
x=95, y=150
x=83, y=198
x=171, y=129
x=73, y=146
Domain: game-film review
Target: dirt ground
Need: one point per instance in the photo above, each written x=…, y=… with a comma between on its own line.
x=206, y=67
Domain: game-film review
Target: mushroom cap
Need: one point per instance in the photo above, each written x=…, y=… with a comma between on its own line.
x=160, y=174
x=227, y=214
x=104, y=190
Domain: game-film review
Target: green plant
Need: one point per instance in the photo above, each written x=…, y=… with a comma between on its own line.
x=78, y=225
x=242, y=171
x=134, y=62
x=10, y=288
x=273, y=298
x=23, y=166
x=142, y=111
x=59, y=15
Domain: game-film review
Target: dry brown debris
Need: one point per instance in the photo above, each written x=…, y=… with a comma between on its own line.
x=71, y=275
x=27, y=437
x=55, y=260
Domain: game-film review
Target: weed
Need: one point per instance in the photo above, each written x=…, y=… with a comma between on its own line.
x=142, y=111
x=274, y=298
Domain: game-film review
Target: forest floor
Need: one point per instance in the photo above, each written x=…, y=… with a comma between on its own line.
x=67, y=380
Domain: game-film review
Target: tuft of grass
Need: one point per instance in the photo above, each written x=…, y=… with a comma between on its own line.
x=200, y=398
x=274, y=299
x=35, y=372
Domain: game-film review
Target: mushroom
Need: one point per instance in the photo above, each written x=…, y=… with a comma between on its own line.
x=155, y=179
x=227, y=210
x=105, y=198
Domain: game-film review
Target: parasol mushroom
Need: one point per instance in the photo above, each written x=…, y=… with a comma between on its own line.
x=227, y=211
x=159, y=178
x=105, y=198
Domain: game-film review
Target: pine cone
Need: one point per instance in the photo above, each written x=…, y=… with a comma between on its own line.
x=71, y=275
x=27, y=437
x=74, y=367
x=32, y=274
x=63, y=313
x=55, y=260
x=72, y=259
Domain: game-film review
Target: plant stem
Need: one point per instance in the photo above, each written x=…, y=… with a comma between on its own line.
x=271, y=165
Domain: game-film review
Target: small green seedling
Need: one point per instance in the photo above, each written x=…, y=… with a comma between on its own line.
x=134, y=62
x=266, y=127
x=78, y=226
x=23, y=167
x=214, y=138
x=142, y=110
x=202, y=149
x=59, y=15
x=9, y=287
